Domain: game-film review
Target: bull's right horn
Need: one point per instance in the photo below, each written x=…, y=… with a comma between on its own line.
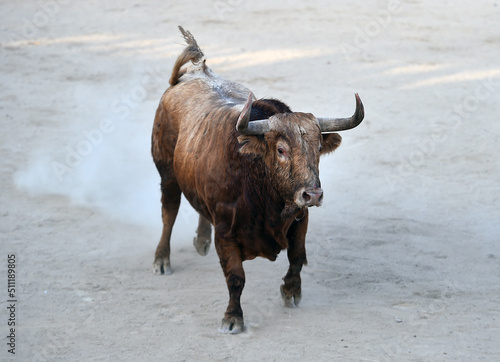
x=341, y=124
x=253, y=128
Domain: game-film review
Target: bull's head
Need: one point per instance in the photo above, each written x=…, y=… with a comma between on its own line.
x=290, y=145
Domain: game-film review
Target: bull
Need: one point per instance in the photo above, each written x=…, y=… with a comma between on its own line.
x=248, y=166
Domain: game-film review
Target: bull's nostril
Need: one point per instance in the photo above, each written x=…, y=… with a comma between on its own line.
x=306, y=197
x=320, y=198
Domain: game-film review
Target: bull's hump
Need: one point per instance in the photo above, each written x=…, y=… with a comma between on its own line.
x=228, y=92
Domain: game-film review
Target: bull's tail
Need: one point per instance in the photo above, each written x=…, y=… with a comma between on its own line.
x=191, y=53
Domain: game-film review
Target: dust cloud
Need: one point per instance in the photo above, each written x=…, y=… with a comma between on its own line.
x=102, y=159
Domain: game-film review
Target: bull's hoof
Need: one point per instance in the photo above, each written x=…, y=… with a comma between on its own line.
x=232, y=325
x=291, y=299
x=162, y=266
x=202, y=246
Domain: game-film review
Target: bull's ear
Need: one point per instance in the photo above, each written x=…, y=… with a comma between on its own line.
x=252, y=145
x=330, y=143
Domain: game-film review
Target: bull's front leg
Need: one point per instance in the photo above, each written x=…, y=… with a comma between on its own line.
x=291, y=291
x=230, y=260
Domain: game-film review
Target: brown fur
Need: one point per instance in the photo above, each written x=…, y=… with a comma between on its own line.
x=243, y=185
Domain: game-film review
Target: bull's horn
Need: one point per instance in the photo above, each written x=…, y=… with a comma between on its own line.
x=253, y=128
x=342, y=124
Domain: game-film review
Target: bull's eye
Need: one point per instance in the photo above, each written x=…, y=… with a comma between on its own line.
x=283, y=153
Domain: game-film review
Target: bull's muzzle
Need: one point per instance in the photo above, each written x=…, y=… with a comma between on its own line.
x=307, y=197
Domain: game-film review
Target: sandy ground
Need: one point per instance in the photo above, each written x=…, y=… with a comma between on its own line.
x=403, y=254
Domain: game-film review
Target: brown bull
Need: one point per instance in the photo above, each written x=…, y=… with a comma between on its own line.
x=249, y=168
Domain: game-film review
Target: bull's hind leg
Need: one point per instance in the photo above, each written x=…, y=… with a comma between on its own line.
x=170, y=199
x=291, y=290
x=203, y=237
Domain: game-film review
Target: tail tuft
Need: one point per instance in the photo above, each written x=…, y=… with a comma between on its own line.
x=191, y=53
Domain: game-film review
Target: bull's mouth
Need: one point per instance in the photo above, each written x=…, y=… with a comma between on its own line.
x=290, y=210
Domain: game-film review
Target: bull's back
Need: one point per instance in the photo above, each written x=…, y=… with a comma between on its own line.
x=199, y=116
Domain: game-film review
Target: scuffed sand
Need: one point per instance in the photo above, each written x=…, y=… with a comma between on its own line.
x=403, y=254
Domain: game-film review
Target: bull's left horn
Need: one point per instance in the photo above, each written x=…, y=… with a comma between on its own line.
x=342, y=124
x=253, y=128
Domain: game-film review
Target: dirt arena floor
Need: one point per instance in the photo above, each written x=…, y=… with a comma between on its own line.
x=403, y=254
